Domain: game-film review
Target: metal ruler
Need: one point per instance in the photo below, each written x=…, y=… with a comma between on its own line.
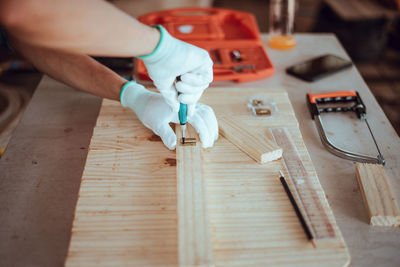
x=309, y=201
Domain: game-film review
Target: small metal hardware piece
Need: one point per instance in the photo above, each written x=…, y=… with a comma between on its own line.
x=240, y=68
x=235, y=54
x=257, y=102
x=263, y=111
x=188, y=141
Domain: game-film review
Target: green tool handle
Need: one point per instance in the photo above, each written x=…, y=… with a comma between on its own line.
x=182, y=114
x=182, y=108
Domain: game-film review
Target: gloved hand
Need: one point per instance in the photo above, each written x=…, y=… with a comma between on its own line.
x=153, y=111
x=173, y=58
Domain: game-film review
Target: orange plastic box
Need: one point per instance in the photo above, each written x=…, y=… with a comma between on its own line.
x=231, y=37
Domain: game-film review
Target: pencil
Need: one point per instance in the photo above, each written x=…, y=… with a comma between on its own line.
x=296, y=207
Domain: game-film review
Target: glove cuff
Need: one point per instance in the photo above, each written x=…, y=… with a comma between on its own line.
x=122, y=93
x=162, y=48
x=134, y=96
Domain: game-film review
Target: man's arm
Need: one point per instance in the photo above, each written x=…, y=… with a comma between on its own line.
x=77, y=70
x=84, y=73
x=92, y=27
x=95, y=27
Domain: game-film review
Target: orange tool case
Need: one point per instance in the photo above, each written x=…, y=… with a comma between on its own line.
x=231, y=37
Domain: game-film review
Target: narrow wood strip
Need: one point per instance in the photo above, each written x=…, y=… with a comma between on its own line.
x=194, y=242
x=255, y=144
x=377, y=195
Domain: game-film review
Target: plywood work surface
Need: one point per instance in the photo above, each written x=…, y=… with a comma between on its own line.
x=126, y=213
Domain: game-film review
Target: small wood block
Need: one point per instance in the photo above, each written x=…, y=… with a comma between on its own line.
x=194, y=241
x=257, y=146
x=377, y=195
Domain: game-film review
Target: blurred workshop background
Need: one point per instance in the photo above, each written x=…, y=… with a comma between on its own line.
x=368, y=29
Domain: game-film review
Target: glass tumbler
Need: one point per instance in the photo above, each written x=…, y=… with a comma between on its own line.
x=282, y=15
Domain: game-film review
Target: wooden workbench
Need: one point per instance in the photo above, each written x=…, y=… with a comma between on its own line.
x=42, y=166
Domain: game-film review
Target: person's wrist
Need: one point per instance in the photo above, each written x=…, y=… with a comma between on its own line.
x=154, y=40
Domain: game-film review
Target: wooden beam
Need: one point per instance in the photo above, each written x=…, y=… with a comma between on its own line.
x=255, y=144
x=377, y=195
x=194, y=242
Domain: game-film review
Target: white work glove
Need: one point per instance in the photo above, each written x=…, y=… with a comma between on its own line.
x=153, y=111
x=173, y=58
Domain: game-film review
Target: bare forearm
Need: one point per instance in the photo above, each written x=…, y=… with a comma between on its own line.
x=78, y=71
x=93, y=27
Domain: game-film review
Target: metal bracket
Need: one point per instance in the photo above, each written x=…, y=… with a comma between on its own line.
x=262, y=111
x=188, y=142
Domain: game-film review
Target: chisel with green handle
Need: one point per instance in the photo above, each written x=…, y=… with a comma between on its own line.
x=182, y=113
x=183, y=119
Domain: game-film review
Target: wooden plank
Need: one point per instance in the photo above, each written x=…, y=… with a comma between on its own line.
x=194, y=242
x=126, y=213
x=254, y=143
x=377, y=195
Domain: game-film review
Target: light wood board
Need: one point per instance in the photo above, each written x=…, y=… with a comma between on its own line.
x=254, y=143
x=194, y=241
x=126, y=213
x=377, y=195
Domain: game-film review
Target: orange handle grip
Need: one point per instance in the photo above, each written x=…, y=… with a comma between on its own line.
x=314, y=97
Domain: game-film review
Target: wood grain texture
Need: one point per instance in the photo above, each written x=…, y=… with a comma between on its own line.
x=254, y=143
x=126, y=213
x=194, y=241
x=377, y=195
